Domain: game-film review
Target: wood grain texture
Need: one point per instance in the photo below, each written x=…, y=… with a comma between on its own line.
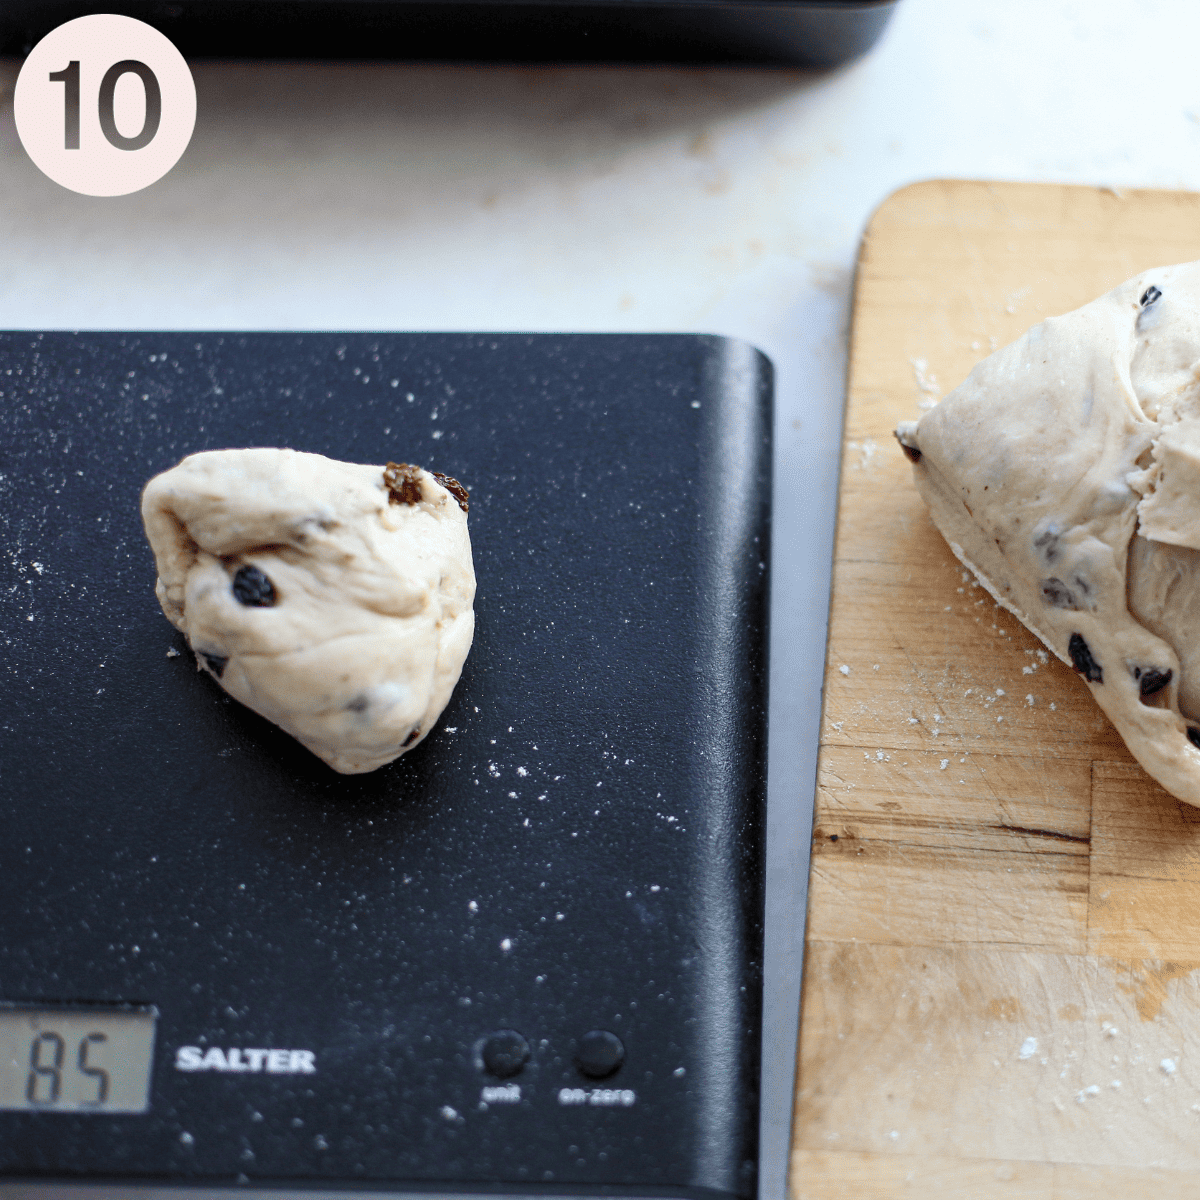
x=831, y=1176
x=1002, y=975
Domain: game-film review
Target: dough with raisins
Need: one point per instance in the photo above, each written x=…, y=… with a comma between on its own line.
x=1065, y=473
x=333, y=598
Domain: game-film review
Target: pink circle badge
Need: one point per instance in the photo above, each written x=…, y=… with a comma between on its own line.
x=105, y=105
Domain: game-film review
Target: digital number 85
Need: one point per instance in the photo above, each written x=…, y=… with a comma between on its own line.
x=40, y=1069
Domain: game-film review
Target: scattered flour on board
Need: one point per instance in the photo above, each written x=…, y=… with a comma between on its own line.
x=867, y=449
x=927, y=383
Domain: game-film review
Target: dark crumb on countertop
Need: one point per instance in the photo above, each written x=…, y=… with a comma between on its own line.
x=216, y=662
x=403, y=483
x=1081, y=656
x=253, y=589
x=455, y=488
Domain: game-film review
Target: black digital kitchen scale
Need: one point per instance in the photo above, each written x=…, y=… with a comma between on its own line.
x=805, y=33
x=526, y=956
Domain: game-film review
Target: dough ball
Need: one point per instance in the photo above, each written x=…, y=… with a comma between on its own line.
x=333, y=598
x=1065, y=473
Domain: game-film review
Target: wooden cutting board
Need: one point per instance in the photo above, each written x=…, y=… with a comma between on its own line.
x=1002, y=981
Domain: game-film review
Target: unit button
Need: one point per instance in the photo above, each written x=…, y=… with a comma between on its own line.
x=505, y=1053
x=600, y=1053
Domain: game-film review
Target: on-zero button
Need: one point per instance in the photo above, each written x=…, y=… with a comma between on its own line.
x=505, y=1053
x=599, y=1054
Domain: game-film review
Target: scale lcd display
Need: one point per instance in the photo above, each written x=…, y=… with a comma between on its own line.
x=81, y=1059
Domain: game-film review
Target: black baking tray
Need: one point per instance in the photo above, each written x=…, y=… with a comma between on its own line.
x=812, y=33
x=577, y=845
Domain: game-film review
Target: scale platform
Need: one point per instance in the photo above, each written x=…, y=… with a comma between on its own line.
x=527, y=956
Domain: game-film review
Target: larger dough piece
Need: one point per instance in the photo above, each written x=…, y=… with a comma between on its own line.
x=1065, y=473
x=333, y=598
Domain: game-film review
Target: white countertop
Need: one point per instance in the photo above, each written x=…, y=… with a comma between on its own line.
x=376, y=196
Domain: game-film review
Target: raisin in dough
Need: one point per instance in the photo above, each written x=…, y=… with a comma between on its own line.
x=1065, y=473
x=333, y=598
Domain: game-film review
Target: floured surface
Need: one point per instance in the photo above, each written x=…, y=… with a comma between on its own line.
x=990, y=865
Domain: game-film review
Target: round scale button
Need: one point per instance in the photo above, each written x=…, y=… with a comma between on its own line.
x=599, y=1054
x=504, y=1053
